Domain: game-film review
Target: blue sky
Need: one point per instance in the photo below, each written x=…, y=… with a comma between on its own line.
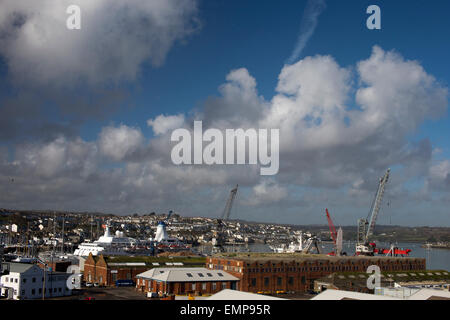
x=52, y=96
x=260, y=37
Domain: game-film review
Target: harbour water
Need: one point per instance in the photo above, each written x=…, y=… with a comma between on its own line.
x=437, y=259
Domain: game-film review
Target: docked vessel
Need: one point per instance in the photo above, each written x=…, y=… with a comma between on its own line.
x=164, y=243
x=109, y=244
x=294, y=246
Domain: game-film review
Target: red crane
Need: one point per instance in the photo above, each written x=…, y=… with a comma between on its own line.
x=332, y=231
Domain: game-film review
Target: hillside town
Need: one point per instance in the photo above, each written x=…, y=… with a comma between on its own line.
x=64, y=255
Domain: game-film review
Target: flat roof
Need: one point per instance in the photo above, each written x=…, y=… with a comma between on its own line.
x=127, y=264
x=264, y=257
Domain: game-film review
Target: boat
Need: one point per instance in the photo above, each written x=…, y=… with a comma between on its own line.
x=165, y=243
x=294, y=246
x=108, y=244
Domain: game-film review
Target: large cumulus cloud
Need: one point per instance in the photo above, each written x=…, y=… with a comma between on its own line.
x=116, y=38
x=57, y=79
x=340, y=129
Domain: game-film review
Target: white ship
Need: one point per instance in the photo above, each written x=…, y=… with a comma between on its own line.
x=108, y=245
x=312, y=242
x=164, y=242
x=295, y=246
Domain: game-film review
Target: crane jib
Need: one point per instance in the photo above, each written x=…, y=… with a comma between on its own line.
x=377, y=204
x=229, y=205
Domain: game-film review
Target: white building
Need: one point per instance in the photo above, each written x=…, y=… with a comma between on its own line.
x=27, y=281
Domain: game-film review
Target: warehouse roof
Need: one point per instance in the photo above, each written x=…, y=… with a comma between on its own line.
x=397, y=276
x=186, y=275
x=299, y=257
x=127, y=264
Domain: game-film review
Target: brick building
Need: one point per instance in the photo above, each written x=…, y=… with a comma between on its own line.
x=180, y=281
x=101, y=270
x=56, y=265
x=296, y=272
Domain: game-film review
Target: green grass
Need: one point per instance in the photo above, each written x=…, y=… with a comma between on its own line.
x=409, y=277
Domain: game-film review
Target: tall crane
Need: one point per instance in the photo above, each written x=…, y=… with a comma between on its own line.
x=218, y=236
x=366, y=226
x=333, y=232
x=226, y=212
x=336, y=236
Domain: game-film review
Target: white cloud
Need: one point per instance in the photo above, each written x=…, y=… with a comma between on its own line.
x=340, y=129
x=58, y=157
x=162, y=124
x=117, y=143
x=267, y=192
x=116, y=38
x=440, y=175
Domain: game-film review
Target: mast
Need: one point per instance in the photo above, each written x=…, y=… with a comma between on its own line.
x=54, y=232
x=339, y=242
x=62, y=249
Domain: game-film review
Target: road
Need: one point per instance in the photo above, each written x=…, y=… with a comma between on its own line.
x=109, y=293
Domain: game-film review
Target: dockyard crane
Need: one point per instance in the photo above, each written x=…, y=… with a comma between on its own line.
x=366, y=226
x=336, y=236
x=219, y=237
x=226, y=212
x=333, y=232
x=312, y=242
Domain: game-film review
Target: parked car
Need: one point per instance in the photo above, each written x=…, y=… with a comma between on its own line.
x=89, y=284
x=152, y=295
x=125, y=283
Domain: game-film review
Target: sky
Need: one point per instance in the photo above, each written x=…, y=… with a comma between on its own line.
x=86, y=115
